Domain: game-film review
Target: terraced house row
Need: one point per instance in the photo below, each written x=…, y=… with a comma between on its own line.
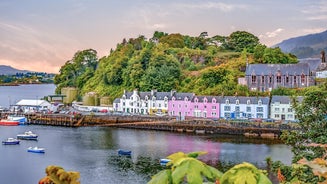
x=183, y=105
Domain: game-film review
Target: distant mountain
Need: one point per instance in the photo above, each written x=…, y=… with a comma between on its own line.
x=308, y=46
x=8, y=70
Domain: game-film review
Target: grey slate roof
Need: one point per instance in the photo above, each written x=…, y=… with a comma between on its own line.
x=314, y=63
x=209, y=98
x=243, y=100
x=284, y=99
x=272, y=69
x=117, y=100
x=181, y=96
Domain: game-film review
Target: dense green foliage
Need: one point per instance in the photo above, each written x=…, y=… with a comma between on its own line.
x=203, y=65
x=186, y=168
x=26, y=78
x=311, y=113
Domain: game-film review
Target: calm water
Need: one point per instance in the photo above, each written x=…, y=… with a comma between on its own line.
x=93, y=150
x=10, y=95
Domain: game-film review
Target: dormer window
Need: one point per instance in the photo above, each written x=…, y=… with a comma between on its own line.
x=248, y=102
x=214, y=100
x=227, y=101
x=259, y=102
x=196, y=100
x=186, y=99
x=153, y=98
x=253, y=78
x=237, y=102
x=205, y=100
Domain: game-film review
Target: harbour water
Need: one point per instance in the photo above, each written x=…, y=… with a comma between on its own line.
x=92, y=151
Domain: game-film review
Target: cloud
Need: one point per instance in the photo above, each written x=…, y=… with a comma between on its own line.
x=224, y=7
x=316, y=11
x=273, y=33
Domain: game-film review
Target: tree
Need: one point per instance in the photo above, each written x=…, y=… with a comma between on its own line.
x=240, y=40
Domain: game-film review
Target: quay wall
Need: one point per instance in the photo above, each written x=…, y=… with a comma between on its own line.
x=195, y=126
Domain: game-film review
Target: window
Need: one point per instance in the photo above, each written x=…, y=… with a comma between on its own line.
x=205, y=106
x=259, y=115
x=254, y=78
x=279, y=79
x=196, y=100
x=276, y=115
x=213, y=114
x=248, y=102
x=260, y=102
x=237, y=102
x=276, y=109
x=263, y=79
x=248, y=109
x=248, y=115
x=302, y=78
x=195, y=107
x=259, y=109
x=153, y=105
x=227, y=115
x=227, y=101
x=287, y=79
x=213, y=107
x=237, y=108
x=294, y=79
x=226, y=108
x=270, y=79
x=289, y=110
x=173, y=105
x=159, y=105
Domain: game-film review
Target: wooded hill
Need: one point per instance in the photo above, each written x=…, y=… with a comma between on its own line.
x=202, y=65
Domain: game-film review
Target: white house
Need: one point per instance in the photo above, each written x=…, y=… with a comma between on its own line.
x=233, y=107
x=281, y=108
x=142, y=102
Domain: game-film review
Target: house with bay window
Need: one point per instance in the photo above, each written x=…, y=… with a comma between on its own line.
x=205, y=107
x=237, y=107
x=281, y=108
x=179, y=104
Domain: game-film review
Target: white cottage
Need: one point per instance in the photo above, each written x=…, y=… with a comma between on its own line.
x=281, y=108
x=232, y=107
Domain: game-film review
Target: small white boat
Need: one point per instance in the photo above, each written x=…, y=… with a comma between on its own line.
x=29, y=135
x=36, y=150
x=164, y=161
x=10, y=141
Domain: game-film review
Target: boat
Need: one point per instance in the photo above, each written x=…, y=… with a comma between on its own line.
x=36, y=150
x=21, y=119
x=8, y=122
x=29, y=135
x=10, y=141
x=124, y=152
x=164, y=161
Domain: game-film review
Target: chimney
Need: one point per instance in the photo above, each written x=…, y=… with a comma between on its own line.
x=323, y=59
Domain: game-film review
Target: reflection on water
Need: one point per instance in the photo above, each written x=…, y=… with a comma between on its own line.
x=93, y=152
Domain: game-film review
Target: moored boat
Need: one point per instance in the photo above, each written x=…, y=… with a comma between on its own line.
x=8, y=122
x=10, y=141
x=21, y=119
x=29, y=135
x=36, y=150
x=124, y=152
x=164, y=161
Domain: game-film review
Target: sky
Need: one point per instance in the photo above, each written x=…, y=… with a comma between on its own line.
x=41, y=35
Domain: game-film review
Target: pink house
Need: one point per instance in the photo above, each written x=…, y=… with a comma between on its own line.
x=179, y=104
x=205, y=107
